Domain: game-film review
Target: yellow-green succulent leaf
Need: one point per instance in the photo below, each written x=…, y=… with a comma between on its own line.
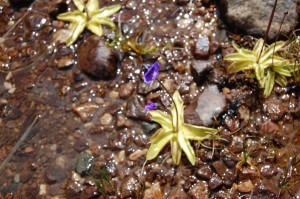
x=257, y=47
x=271, y=50
x=106, y=11
x=180, y=108
x=91, y=6
x=282, y=70
x=158, y=141
x=176, y=150
x=270, y=79
x=162, y=118
x=79, y=5
x=95, y=28
x=104, y=21
x=76, y=30
x=186, y=147
x=74, y=16
x=236, y=57
x=239, y=66
x=281, y=80
x=193, y=132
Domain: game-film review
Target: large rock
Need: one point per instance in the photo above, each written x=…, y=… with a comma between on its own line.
x=98, y=60
x=252, y=16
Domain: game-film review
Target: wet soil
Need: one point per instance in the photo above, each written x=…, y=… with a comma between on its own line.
x=61, y=119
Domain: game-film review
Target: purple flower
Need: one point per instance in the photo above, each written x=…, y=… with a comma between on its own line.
x=151, y=72
x=150, y=106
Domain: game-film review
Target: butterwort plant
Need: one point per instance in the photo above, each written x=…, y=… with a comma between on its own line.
x=88, y=16
x=173, y=128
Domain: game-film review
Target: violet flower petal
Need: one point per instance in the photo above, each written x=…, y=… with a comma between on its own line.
x=150, y=106
x=151, y=72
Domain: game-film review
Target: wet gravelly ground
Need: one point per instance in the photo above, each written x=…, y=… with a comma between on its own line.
x=58, y=124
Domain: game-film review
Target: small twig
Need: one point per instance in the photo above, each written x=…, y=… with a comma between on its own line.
x=18, y=144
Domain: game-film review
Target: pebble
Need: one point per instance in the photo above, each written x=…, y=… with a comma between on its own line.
x=228, y=176
x=177, y=193
x=154, y=192
x=126, y=90
x=135, y=108
x=43, y=189
x=199, y=190
x=269, y=170
x=229, y=158
x=137, y=154
x=54, y=174
x=17, y=178
x=98, y=60
x=130, y=187
x=236, y=145
x=211, y=103
x=245, y=187
x=75, y=176
x=201, y=70
x=106, y=119
x=201, y=50
x=214, y=182
x=84, y=164
x=65, y=62
x=204, y=172
x=86, y=110
x=265, y=188
x=274, y=109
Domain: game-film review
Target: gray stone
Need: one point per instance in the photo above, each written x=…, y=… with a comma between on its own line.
x=201, y=50
x=252, y=16
x=210, y=104
x=84, y=164
x=201, y=70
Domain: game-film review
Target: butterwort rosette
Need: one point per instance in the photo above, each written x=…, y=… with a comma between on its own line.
x=151, y=72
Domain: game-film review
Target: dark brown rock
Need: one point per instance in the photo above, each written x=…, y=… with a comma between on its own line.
x=199, y=190
x=265, y=189
x=177, y=193
x=55, y=174
x=237, y=144
x=80, y=145
x=135, y=108
x=214, y=182
x=98, y=60
x=269, y=170
x=130, y=187
x=229, y=158
x=204, y=172
x=227, y=175
x=274, y=109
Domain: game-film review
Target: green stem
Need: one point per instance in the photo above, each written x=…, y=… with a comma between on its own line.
x=177, y=115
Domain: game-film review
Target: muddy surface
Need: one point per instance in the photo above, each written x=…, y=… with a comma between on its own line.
x=62, y=118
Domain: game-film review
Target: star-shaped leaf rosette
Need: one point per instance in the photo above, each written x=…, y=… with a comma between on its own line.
x=268, y=66
x=173, y=128
x=88, y=16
